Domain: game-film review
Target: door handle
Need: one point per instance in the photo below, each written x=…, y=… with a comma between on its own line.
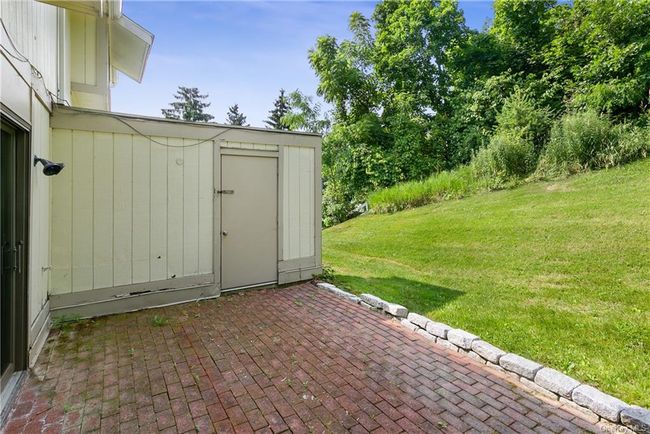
x=225, y=191
x=224, y=233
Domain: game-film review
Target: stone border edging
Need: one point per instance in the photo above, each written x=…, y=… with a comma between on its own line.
x=589, y=401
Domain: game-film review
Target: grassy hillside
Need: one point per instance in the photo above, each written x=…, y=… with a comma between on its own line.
x=558, y=272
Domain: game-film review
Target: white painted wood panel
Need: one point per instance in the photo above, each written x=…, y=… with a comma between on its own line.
x=39, y=237
x=83, y=44
x=77, y=47
x=32, y=27
x=205, y=206
x=123, y=210
x=250, y=146
x=141, y=209
x=175, y=208
x=103, y=210
x=82, y=205
x=190, y=207
x=61, y=227
x=158, y=216
x=306, y=202
x=298, y=203
x=133, y=210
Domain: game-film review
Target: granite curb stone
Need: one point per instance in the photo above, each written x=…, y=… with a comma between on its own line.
x=373, y=301
x=488, y=351
x=461, y=338
x=408, y=324
x=637, y=419
x=520, y=365
x=333, y=289
x=438, y=329
x=418, y=320
x=397, y=310
x=603, y=405
x=556, y=382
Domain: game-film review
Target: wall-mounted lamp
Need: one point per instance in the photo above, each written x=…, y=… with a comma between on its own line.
x=50, y=168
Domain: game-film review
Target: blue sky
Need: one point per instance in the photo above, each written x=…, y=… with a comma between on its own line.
x=238, y=51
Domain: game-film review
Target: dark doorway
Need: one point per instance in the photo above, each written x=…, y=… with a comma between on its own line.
x=14, y=171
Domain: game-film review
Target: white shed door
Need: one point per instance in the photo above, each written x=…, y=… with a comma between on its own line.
x=249, y=220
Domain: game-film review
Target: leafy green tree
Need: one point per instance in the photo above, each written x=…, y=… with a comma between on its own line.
x=415, y=91
x=280, y=108
x=189, y=106
x=524, y=30
x=235, y=117
x=345, y=71
x=600, y=56
x=412, y=42
x=305, y=115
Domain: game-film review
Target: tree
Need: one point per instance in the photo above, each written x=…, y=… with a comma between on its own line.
x=305, y=114
x=413, y=39
x=235, y=117
x=188, y=106
x=280, y=108
x=346, y=71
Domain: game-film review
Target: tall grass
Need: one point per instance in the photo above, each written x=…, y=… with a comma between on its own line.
x=441, y=186
x=578, y=142
x=587, y=140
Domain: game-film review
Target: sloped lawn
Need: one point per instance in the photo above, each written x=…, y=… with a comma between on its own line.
x=558, y=272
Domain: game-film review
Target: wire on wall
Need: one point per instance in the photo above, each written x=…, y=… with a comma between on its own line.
x=20, y=57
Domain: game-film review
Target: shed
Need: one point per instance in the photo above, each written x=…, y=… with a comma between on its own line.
x=153, y=211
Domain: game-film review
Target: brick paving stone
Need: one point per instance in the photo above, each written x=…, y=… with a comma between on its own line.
x=297, y=359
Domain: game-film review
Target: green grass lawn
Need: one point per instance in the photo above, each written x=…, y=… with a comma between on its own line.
x=558, y=272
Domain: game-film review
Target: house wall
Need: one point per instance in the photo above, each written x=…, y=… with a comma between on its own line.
x=298, y=239
x=135, y=214
x=25, y=98
x=89, y=65
x=33, y=29
x=129, y=210
x=39, y=226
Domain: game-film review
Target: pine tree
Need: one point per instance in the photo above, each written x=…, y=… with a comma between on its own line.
x=235, y=117
x=188, y=106
x=280, y=108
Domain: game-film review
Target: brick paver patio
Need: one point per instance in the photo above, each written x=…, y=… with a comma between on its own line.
x=296, y=360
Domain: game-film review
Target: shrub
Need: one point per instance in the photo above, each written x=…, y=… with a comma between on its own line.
x=632, y=143
x=579, y=141
x=441, y=186
x=508, y=157
x=521, y=116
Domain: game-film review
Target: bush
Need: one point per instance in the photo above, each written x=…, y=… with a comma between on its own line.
x=632, y=143
x=508, y=157
x=521, y=116
x=578, y=141
x=441, y=186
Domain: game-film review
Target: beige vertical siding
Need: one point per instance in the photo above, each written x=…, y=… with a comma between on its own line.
x=33, y=28
x=61, y=212
x=129, y=210
x=158, y=215
x=298, y=203
x=39, y=236
x=83, y=43
x=141, y=209
x=249, y=146
x=103, y=193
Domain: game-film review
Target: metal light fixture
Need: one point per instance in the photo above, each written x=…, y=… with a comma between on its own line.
x=50, y=168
